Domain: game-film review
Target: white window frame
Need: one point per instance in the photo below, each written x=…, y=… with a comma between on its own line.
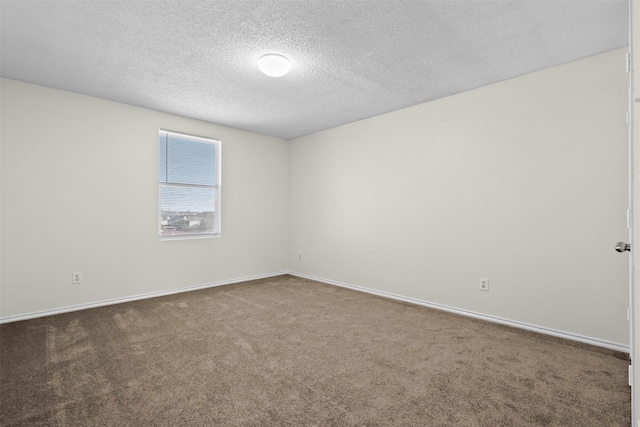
x=217, y=225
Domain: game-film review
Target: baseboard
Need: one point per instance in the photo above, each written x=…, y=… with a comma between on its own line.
x=549, y=331
x=33, y=315
x=514, y=323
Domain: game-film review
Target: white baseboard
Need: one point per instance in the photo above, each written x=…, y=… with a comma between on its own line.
x=549, y=331
x=521, y=325
x=33, y=315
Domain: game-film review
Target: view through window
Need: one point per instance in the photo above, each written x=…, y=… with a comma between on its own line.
x=189, y=185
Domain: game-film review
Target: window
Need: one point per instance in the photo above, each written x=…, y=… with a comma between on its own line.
x=188, y=186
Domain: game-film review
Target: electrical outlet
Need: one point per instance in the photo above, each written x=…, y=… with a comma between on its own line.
x=76, y=277
x=484, y=284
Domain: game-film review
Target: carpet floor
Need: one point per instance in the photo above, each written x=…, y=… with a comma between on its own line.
x=286, y=351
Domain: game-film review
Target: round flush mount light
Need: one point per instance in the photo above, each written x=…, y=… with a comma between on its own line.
x=274, y=65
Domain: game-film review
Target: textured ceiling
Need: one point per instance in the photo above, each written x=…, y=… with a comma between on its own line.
x=350, y=59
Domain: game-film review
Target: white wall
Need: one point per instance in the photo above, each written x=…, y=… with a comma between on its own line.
x=523, y=182
x=79, y=192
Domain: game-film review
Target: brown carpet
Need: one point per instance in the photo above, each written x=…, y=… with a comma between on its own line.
x=292, y=352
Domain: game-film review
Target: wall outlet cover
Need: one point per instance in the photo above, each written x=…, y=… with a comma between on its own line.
x=76, y=277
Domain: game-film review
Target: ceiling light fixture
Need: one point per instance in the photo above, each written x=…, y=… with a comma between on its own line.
x=274, y=65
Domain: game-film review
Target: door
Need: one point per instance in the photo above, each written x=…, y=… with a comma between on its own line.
x=634, y=183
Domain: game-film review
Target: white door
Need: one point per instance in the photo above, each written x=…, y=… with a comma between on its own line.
x=634, y=205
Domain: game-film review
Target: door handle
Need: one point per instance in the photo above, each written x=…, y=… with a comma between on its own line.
x=623, y=247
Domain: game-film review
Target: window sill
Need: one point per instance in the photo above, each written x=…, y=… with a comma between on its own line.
x=189, y=237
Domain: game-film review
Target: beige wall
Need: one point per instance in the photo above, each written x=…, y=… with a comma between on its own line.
x=523, y=182
x=79, y=192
